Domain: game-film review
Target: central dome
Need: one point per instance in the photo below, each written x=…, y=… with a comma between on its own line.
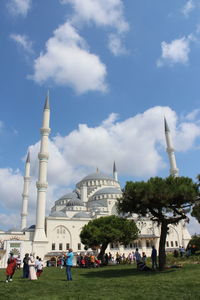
x=97, y=176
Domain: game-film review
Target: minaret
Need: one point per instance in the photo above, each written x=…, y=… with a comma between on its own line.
x=42, y=184
x=170, y=151
x=115, y=172
x=25, y=194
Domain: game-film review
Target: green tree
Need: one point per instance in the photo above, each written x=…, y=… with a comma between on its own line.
x=195, y=242
x=102, y=231
x=167, y=200
x=196, y=208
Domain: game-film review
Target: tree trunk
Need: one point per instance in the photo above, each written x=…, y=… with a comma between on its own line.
x=102, y=252
x=162, y=255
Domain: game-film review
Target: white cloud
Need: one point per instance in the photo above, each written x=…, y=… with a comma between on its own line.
x=102, y=13
x=188, y=8
x=175, y=52
x=23, y=41
x=10, y=181
x=68, y=62
x=19, y=7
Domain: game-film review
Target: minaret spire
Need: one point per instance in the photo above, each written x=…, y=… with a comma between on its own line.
x=25, y=194
x=170, y=150
x=115, y=172
x=42, y=184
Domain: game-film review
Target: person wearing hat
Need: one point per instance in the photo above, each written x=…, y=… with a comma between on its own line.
x=12, y=265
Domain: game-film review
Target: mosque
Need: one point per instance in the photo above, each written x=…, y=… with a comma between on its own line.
x=94, y=196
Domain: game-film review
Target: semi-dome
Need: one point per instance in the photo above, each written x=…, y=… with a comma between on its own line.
x=108, y=190
x=81, y=214
x=97, y=204
x=67, y=197
x=97, y=176
x=75, y=202
x=58, y=214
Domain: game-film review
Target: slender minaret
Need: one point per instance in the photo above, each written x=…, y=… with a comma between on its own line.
x=115, y=172
x=42, y=184
x=170, y=151
x=25, y=194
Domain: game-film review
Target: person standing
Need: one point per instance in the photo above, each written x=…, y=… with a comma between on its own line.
x=10, y=270
x=25, y=266
x=154, y=258
x=32, y=271
x=137, y=256
x=39, y=268
x=69, y=264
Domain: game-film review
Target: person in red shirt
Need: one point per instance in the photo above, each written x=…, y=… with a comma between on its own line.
x=10, y=270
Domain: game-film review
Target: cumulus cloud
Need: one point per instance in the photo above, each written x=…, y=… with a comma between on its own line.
x=19, y=7
x=71, y=157
x=67, y=61
x=188, y=8
x=136, y=144
x=102, y=13
x=23, y=42
x=175, y=52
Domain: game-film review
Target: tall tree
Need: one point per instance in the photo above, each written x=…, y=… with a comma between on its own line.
x=105, y=230
x=196, y=208
x=167, y=200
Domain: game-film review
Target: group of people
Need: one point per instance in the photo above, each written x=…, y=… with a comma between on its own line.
x=88, y=261
x=32, y=268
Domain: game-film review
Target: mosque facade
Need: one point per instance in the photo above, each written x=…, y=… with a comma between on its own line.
x=95, y=196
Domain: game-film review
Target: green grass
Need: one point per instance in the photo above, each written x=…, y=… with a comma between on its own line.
x=116, y=282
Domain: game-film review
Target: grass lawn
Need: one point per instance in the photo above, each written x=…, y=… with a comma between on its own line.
x=111, y=282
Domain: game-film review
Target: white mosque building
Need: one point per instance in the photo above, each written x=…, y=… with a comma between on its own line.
x=94, y=196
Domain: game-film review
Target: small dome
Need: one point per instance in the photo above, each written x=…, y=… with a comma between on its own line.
x=108, y=190
x=81, y=214
x=58, y=214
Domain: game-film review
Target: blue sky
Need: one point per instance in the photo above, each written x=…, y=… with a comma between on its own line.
x=114, y=69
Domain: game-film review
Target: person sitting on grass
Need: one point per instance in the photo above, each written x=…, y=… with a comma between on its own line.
x=10, y=270
x=141, y=266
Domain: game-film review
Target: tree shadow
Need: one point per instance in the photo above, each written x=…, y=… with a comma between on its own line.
x=123, y=272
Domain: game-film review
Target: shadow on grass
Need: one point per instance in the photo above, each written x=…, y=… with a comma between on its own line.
x=122, y=273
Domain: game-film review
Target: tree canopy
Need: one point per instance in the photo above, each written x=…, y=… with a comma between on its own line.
x=100, y=232
x=166, y=200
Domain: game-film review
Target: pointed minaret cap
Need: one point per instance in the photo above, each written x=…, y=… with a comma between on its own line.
x=28, y=157
x=47, y=106
x=114, y=168
x=166, y=125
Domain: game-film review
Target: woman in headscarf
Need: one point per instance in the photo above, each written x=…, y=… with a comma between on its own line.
x=32, y=271
x=25, y=266
x=10, y=270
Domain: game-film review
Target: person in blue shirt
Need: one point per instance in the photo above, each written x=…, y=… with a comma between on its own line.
x=69, y=264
